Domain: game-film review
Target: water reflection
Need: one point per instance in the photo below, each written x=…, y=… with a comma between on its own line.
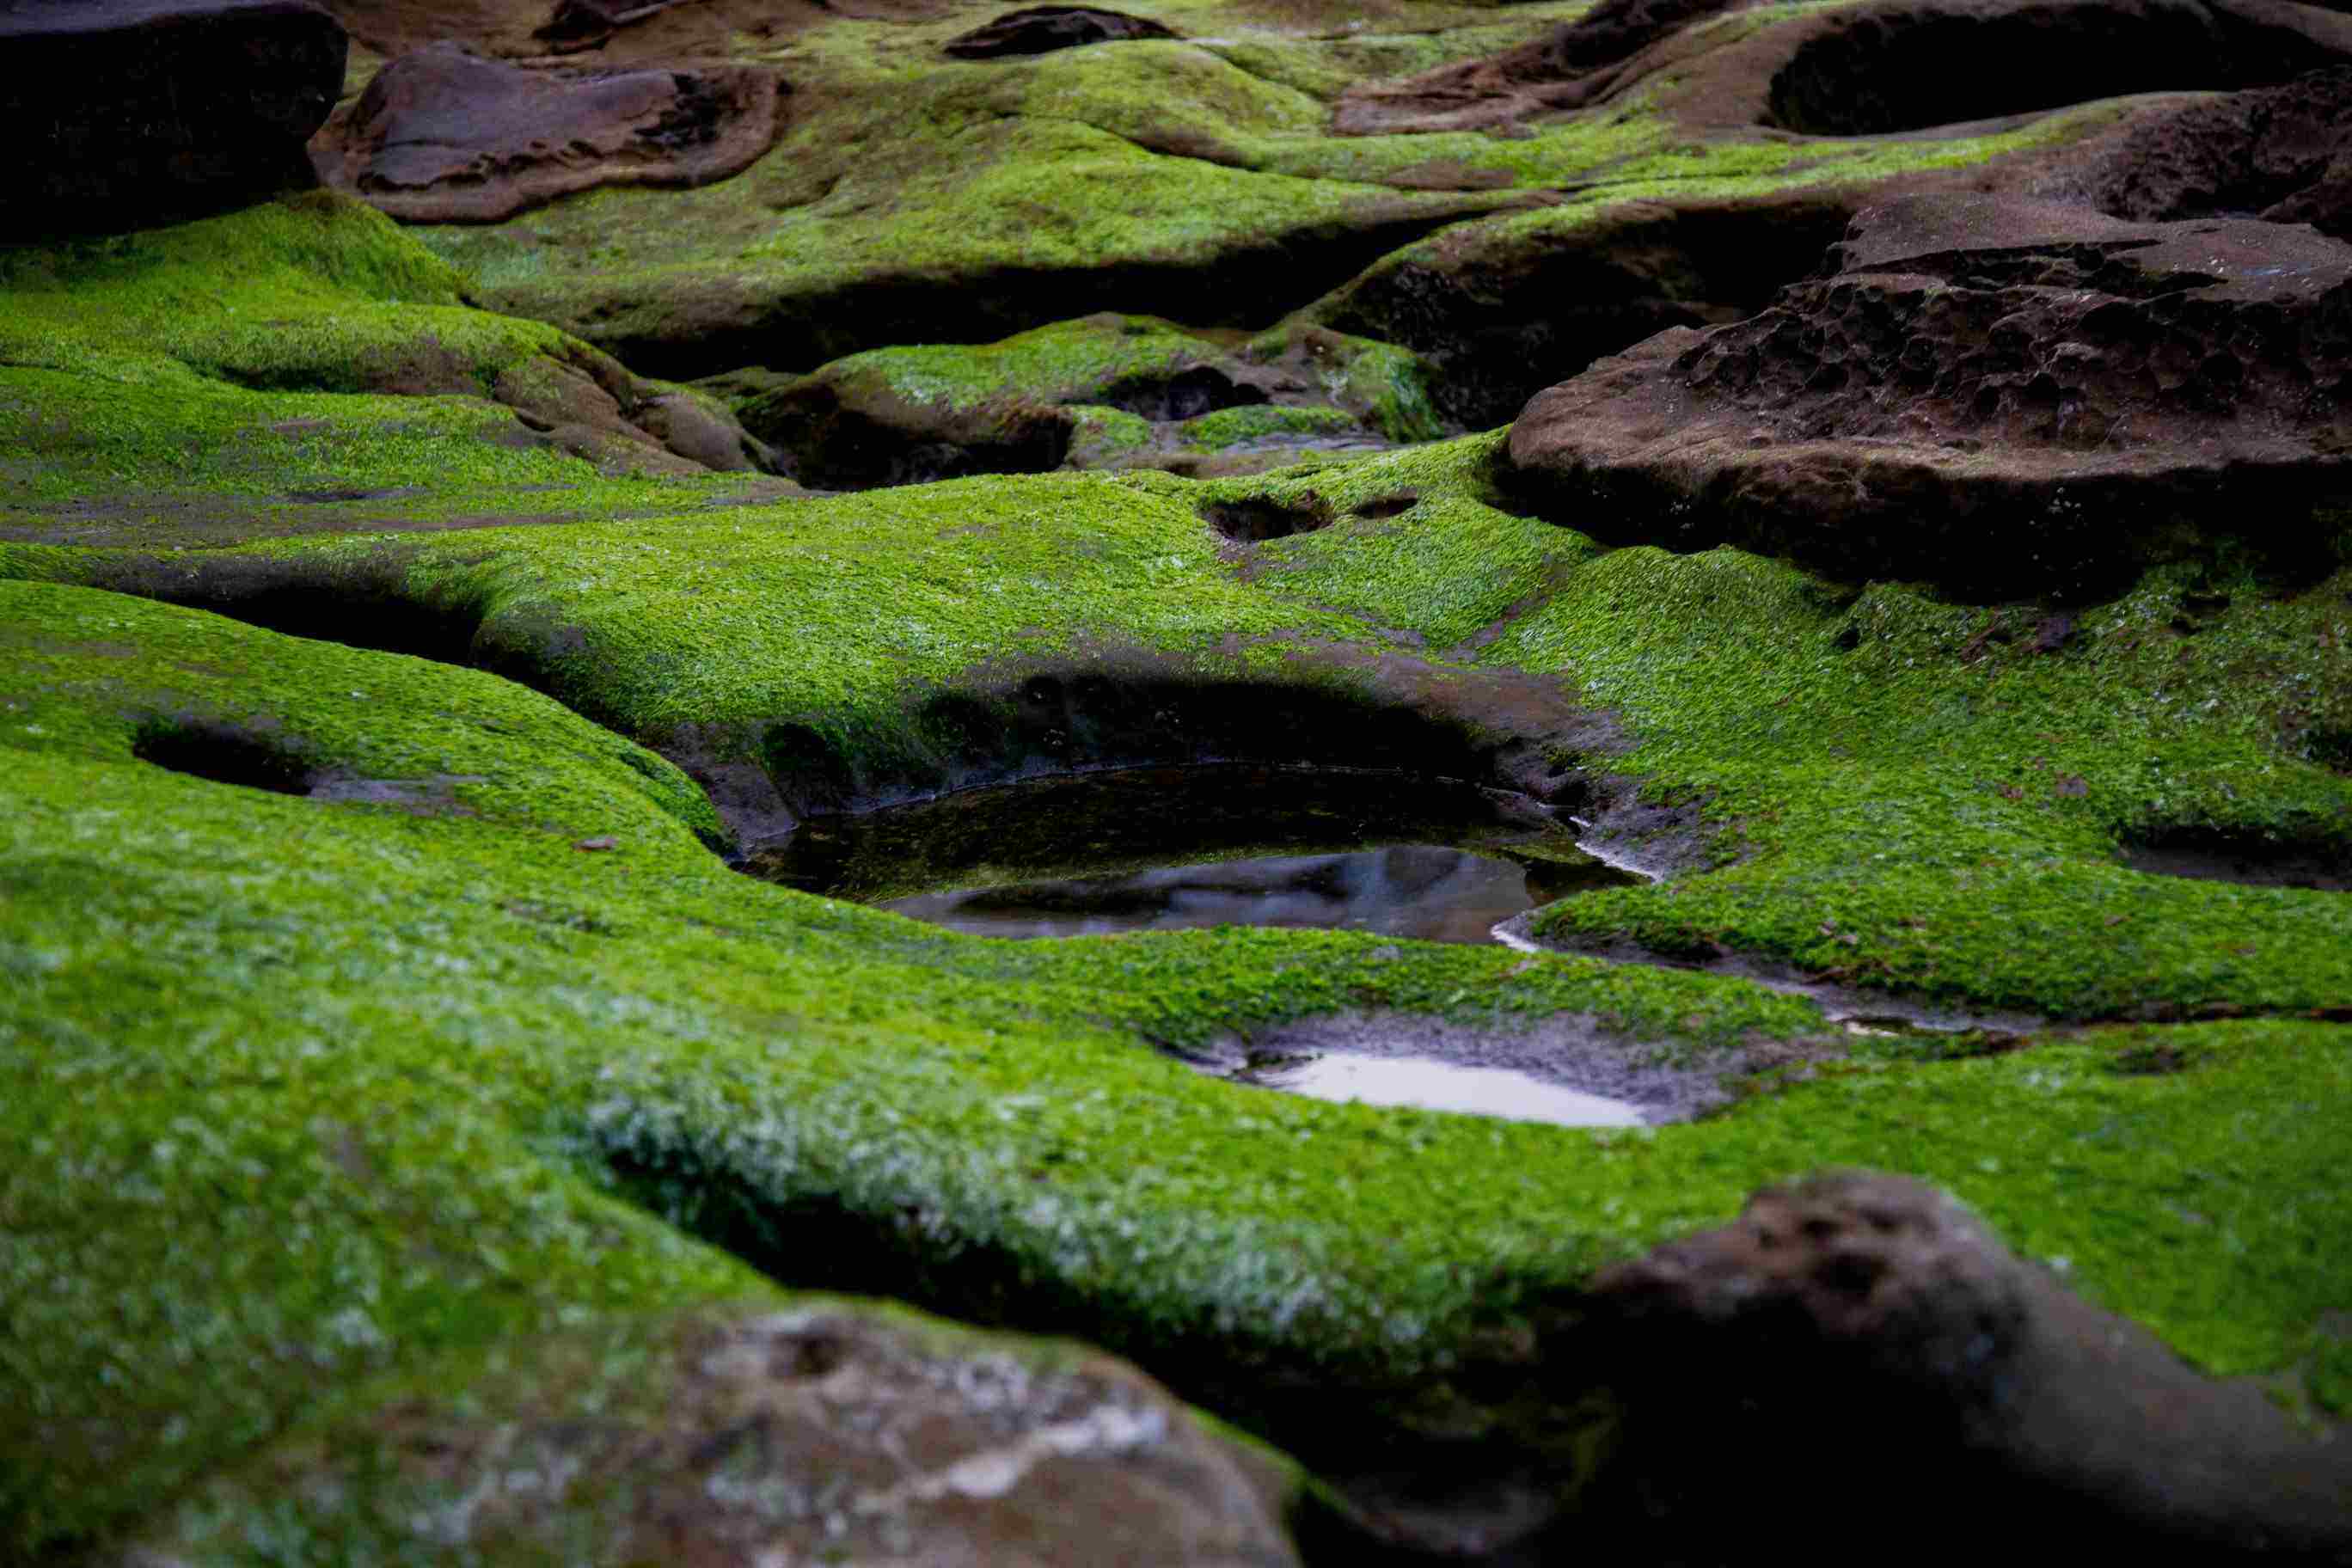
x=1167, y=849
x=1423, y=891
x=1444, y=1085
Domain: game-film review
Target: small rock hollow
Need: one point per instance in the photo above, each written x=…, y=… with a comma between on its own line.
x=1255, y=522
x=1891, y=69
x=1177, y=848
x=2250, y=860
x=224, y=753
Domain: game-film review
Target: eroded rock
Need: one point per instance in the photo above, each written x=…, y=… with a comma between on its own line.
x=1868, y=1328
x=1895, y=66
x=2283, y=154
x=2005, y=397
x=1039, y=29
x=443, y=135
x=834, y=1434
x=126, y=113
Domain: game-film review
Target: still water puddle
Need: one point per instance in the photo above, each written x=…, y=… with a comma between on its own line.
x=1172, y=849
x=1446, y=1086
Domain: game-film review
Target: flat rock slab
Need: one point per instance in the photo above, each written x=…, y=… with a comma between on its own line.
x=443, y=135
x=125, y=114
x=839, y=1434
x=1040, y=30
x=2003, y=398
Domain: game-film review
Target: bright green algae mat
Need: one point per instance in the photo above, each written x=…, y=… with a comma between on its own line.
x=319, y=1098
x=1929, y=809
x=314, y=1091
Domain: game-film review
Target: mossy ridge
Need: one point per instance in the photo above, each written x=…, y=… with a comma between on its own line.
x=644, y=1009
x=1919, y=798
x=666, y=623
x=171, y=383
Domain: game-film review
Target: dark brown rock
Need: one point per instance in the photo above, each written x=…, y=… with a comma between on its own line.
x=443, y=135
x=1568, y=67
x=1870, y=69
x=2008, y=398
x=123, y=115
x=829, y=1434
x=2283, y=154
x=1910, y=64
x=850, y=431
x=1865, y=1340
x=1039, y=29
x=1499, y=314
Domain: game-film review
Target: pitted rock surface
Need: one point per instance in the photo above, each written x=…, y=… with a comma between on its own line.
x=815, y=1436
x=445, y=136
x=1040, y=30
x=129, y=113
x=2283, y=154
x=1996, y=395
x=1871, y=1328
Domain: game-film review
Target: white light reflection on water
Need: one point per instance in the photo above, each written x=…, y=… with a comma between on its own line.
x=1435, y=1085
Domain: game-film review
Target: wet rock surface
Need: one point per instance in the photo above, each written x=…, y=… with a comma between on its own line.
x=444, y=135
x=1872, y=1326
x=838, y=1436
x=127, y=113
x=1992, y=394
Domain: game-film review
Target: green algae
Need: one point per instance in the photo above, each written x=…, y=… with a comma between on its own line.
x=919, y=198
x=1224, y=427
x=1916, y=799
x=431, y=1048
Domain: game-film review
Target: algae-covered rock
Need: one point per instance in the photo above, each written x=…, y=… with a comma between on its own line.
x=426, y=1140
x=1102, y=391
x=827, y=1431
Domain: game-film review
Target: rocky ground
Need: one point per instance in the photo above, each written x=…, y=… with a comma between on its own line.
x=472, y=472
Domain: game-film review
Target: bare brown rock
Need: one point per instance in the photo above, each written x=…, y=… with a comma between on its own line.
x=2003, y=398
x=2283, y=154
x=123, y=115
x=1867, y=1336
x=443, y=135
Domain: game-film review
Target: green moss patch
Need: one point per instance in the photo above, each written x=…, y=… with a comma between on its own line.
x=356, y=1086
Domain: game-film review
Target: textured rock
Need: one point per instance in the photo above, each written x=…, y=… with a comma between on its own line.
x=1869, y=70
x=125, y=113
x=837, y=1434
x=1567, y=67
x=1868, y=1328
x=1038, y=29
x=443, y=135
x=2283, y=154
x=2001, y=397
